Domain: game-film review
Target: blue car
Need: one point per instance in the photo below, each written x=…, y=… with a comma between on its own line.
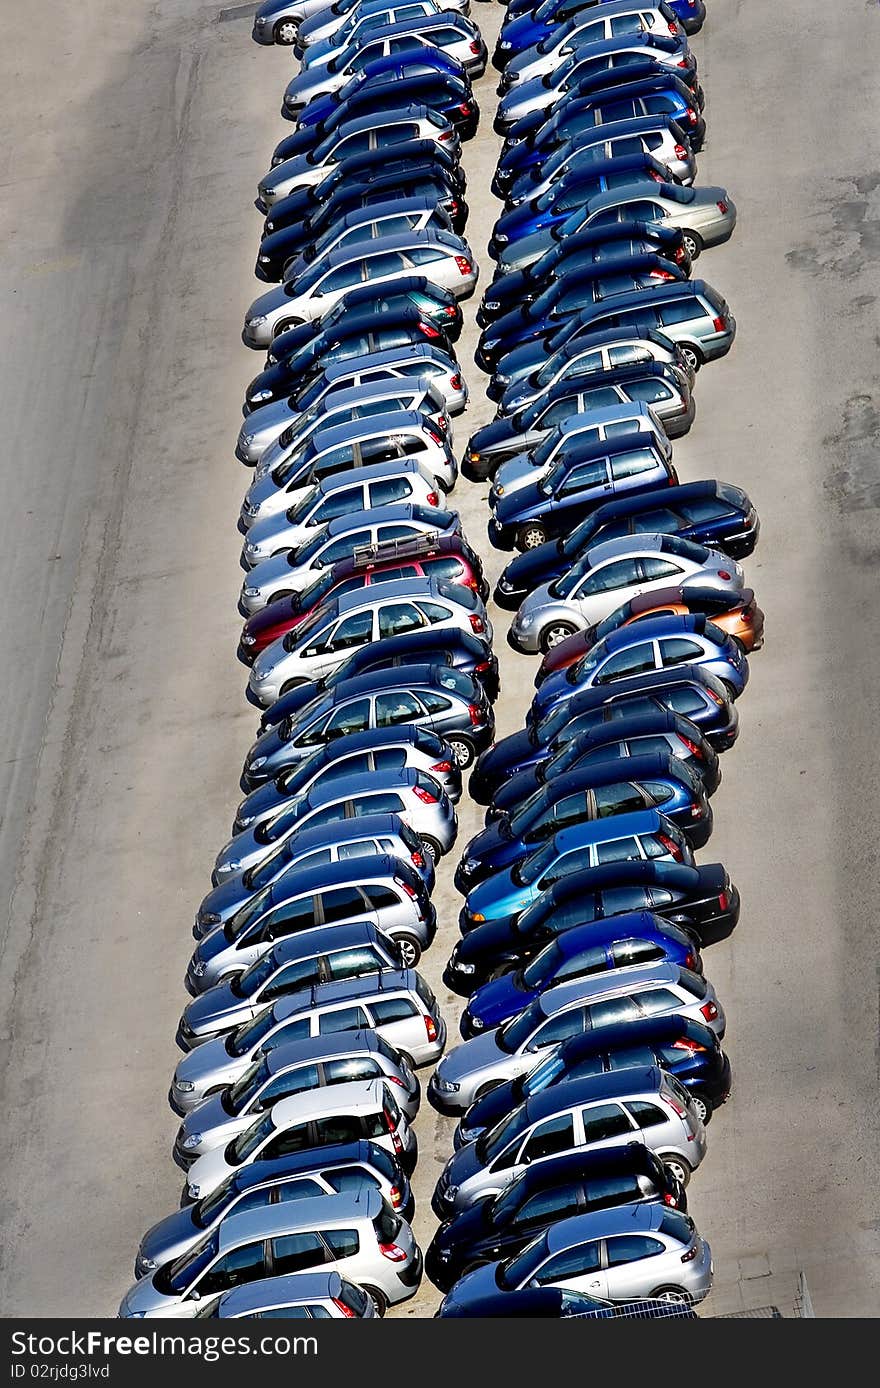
x=594, y=790
x=570, y=191
x=654, y=643
x=709, y=513
x=417, y=57
x=645, y=834
x=691, y=13
x=686, y=1049
x=637, y=938
x=525, y=29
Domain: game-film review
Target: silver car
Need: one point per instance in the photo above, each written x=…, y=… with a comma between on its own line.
x=321, y=643
x=369, y=223
x=380, y=484
x=345, y=1232
x=294, y=1295
x=311, y=1120
x=662, y=139
x=611, y=573
x=283, y=423
x=630, y=1254
x=348, y=17
x=298, y=566
x=353, y=137
x=594, y=1113
x=280, y=1075
x=579, y=29
x=600, y=352
x=473, y=1068
x=652, y=453
x=278, y=21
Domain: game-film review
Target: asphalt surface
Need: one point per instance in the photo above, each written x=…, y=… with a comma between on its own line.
x=126, y=180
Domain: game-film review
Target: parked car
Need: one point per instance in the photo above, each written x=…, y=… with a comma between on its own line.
x=349, y=16
x=553, y=24
x=628, y=942
x=605, y=1111
x=345, y=1231
x=370, y=223
x=381, y=891
x=351, y=1166
x=684, y=1048
x=556, y=1303
x=702, y=900
x=574, y=1184
x=610, y=574
x=599, y=351
x=342, y=537
x=294, y=1296
x=634, y=1252
x=318, y=645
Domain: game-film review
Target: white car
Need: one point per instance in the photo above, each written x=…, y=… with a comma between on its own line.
x=369, y=224
x=584, y=27
x=401, y=479
x=610, y=574
x=658, y=136
x=349, y=17
x=442, y=257
x=611, y=422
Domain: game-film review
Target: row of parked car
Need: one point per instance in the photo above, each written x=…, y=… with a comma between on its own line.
x=591, y=1057
x=368, y=647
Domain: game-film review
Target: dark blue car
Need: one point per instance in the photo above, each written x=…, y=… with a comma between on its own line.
x=638, y=938
x=592, y=791
x=525, y=29
x=686, y=1049
x=570, y=191
x=709, y=513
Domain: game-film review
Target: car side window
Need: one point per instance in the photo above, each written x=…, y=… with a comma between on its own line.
x=616, y=900
x=657, y=1000
x=621, y=798
x=549, y=1205
x=342, y=1243
x=343, y=1019
x=351, y=718
x=548, y=1138
x=387, y=803
x=646, y=1115
x=284, y=1143
x=679, y=652
x=603, y=1121
x=630, y=464
x=648, y=392
x=558, y=1029
x=388, y=490
x=586, y=962
x=353, y=963
x=634, y=661
x=434, y=703
x=389, y=263
x=284, y=1086
x=607, y=1191
x=344, y=1127
x=572, y=1262
x=570, y=810
x=341, y=904
x=625, y=952
x=348, y=1068
x=287, y=920
x=352, y=631
x=617, y=850
x=681, y=311
x=631, y=145
x=396, y=707
x=342, y=549
x=294, y=1252
x=631, y=1248
x=298, y=975
x=399, y=617
x=629, y=24
x=387, y=1010
x=618, y=574
x=304, y=1188
x=351, y=1178
x=239, y=1265
x=605, y=1014
x=661, y=792
x=587, y=475
x=343, y=277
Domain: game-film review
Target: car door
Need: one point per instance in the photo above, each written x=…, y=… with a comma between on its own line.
x=297, y=1253
x=352, y=717
x=584, y=488
x=297, y=1081
x=679, y=651
x=577, y=1269
x=571, y=809
x=606, y=587
x=606, y=1125
x=399, y=1019
x=628, y=1271
x=397, y=706
x=232, y=1269
x=634, y=660
x=396, y=618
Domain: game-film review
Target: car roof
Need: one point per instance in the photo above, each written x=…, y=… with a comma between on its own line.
x=623, y=1219
x=598, y=448
x=288, y=1289
x=415, y=25
x=362, y=216
x=626, y=545
x=317, y=1211
x=334, y=435
x=584, y=990
x=614, y=375
x=661, y=293
x=629, y=125
x=598, y=773
x=578, y=346
x=634, y=1156
x=645, y=684
x=657, y=496
x=366, y=826
x=313, y=1048
x=377, y=515
x=599, y=830
x=354, y=1096
x=400, y=241
x=622, y=1036
x=629, y=872
x=395, y=677
x=309, y=942
x=378, y=592
x=592, y=1088
x=406, y=111
x=329, y=875
x=389, y=356
x=638, y=725
x=364, y=986
x=389, y=386
x=653, y=627
x=311, y=1159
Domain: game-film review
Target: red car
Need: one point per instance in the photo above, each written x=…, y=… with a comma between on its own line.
x=736, y=613
x=448, y=558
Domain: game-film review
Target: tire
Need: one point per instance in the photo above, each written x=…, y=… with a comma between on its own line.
x=410, y=950
x=530, y=536
x=692, y=355
x=379, y=1299
x=279, y=597
x=407, y=1059
x=290, y=685
x=732, y=694
x=554, y=633
x=462, y=749
x=679, y=1168
x=693, y=243
x=432, y=848
x=677, y=1295
x=702, y=1106
x=486, y=1089
x=285, y=325
x=285, y=32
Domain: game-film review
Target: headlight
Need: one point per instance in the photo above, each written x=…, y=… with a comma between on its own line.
x=193, y=1192
x=198, y=968
x=249, y=508
x=261, y=395
x=248, y=640
x=232, y=866
x=504, y=44
x=525, y=623
x=501, y=239
x=209, y=918
x=492, y=304
x=477, y=1023
x=447, y=1086
x=470, y=864
x=257, y=763
x=192, y=1141
x=264, y=259
x=245, y=820
x=251, y=592
x=255, y=322
x=464, y=968
x=184, y=1086
x=246, y=440
x=146, y=1264
x=451, y=1192
x=504, y=586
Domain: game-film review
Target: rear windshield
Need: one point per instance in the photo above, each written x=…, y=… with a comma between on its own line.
x=386, y=1224
x=693, y=983
x=677, y=1225
x=425, y=993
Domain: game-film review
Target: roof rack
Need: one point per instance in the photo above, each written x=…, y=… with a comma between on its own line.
x=392, y=549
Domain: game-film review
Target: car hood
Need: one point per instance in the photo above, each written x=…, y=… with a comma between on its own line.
x=268, y=528
x=486, y=940
x=302, y=141
x=208, y=1170
x=519, y=503
x=512, y=470
x=168, y=1238
x=498, y=1000
x=508, y=752
x=534, y=567
x=294, y=166
x=208, y=1115
x=268, y=416
x=523, y=32
x=488, y=843
x=524, y=359
x=525, y=93
x=292, y=702
x=210, y=945
x=274, y=299
x=474, y=1285
x=498, y=895
x=262, y=489
x=212, y=1008
x=296, y=206
x=211, y=1058
x=223, y=901
x=526, y=250
x=466, y=1060
x=520, y=220
x=143, y=1300
x=506, y=288
x=267, y=745
x=490, y=436
x=274, y=570
x=492, y=1107
x=552, y=689
x=465, y=1229
x=520, y=786
x=262, y=801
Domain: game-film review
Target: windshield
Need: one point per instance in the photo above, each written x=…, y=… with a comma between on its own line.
x=314, y=594
x=247, y=1086
x=552, y=726
x=237, y=924
x=490, y=1143
x=249, y=1036
x=182, y=1274
x=517, y=1031
x=535, y=865
x=263, y=873
x=252, y=980
x=213, y=1205
x=526, y=812
x=516, y=1272
x=543, y=966
x=544, y=1075
x=247, y=1142
x=564, y=586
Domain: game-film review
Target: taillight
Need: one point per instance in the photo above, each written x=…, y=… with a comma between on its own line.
x=433, y=499
x=719, y=324
x=690, y=1255
x=464, y=109
x=475, y=715
x=723, y=901
x=442, y=766
x=722, y=205
x=680, y=255
x=464, y=264
x=682, y=62
x=690, y=960
x=346, y=1310
x=392, y=1252
x=680, y=152
x=660, y=275
x=658, y=178
x=747, y=616
x=451, y=205
x=692, y=1047
x=692, y=747
x=672, y=26
x=477, y=623
x=691, y=115
x=670, y=1200
x=429, y=330
x=475, y=46
x=472, y=584
x=396, y=1197
x=401, y=1084
x=482, y=667
x=431, y=1029
x=407, y=887
x=395, y=1136
x=670, y=846
x=716, y=698
x=424, y=795
x=455, y=382
x=447, y=135
x=709, y=1011
x=443, y=425
x=675, y=1106
x=696, y=810
x=417, y=859
x=433, y=429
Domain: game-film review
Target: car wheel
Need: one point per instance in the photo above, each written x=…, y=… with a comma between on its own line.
x=379, y=1300
x=676, y=1295
x=279, y=596
x=692, y=355
x=285, y=325
x=487, y=1089
x=552, y=635
x=531, y=535
x=462, y=750
x=291, y=684
x=285, y=31
x=407, y=1059
x=410, y=950
x=692, y=243
x=729, y=690
x=432, y=848
x=703, y=1109
x=679, y=1168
